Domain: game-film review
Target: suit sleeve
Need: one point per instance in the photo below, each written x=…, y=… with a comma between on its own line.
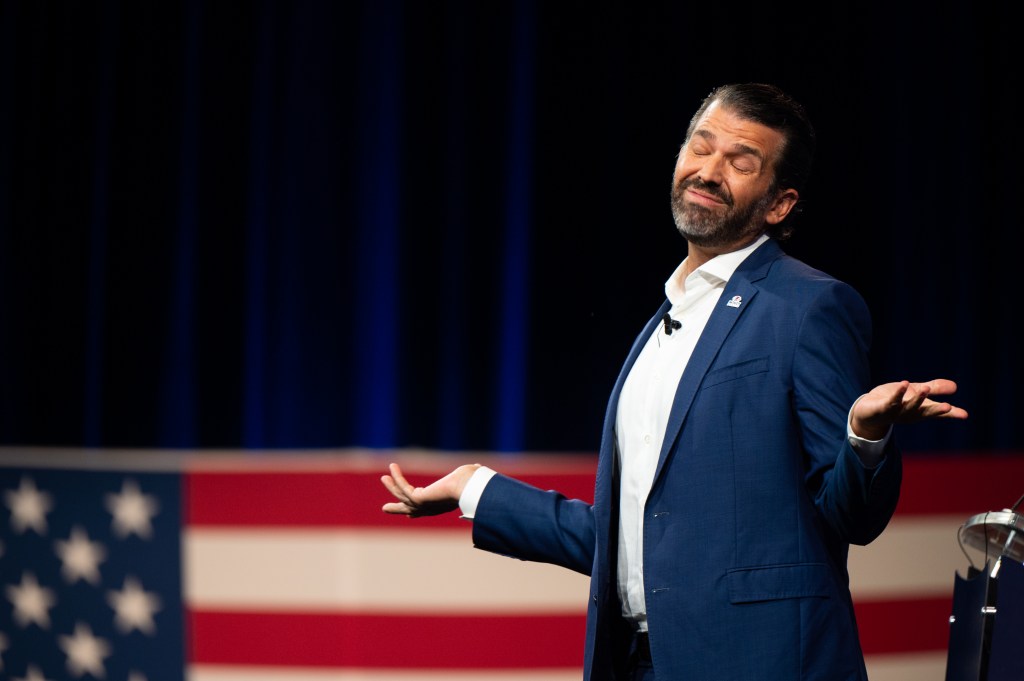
x=518, y=520
x=831, y=370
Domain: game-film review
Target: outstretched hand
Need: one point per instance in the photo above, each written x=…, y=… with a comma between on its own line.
x=436, y=498
x=902, y=402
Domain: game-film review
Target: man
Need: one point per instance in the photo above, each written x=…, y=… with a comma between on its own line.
x=742, y=452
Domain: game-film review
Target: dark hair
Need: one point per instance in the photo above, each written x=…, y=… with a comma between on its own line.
x=770, y=106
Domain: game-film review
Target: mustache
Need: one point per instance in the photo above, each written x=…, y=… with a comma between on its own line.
x=705, y=188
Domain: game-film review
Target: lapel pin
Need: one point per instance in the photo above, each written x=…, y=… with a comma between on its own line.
x=735, y=301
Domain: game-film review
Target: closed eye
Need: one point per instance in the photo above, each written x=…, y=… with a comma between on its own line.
x=745, y=166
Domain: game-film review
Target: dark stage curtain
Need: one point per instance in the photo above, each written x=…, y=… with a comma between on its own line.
x=441, y=224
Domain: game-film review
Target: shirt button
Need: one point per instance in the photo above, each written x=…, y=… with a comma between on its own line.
x=647, y=439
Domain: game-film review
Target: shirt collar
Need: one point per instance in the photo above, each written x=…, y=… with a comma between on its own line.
x=718, y=270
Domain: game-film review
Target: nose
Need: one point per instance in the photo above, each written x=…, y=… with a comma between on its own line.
x=711, y=169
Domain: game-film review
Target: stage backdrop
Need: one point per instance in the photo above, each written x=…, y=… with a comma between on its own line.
x=308, y=223
x=144, y=566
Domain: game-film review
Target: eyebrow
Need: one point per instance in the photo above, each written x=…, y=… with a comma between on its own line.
x=737, y=149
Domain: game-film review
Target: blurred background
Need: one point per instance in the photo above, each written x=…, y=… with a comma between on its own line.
x=441, y=224
x=420, y=229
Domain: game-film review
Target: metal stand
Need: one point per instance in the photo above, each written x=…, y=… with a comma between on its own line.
x=970, y=627
x=987, y=625
x=1006, y=663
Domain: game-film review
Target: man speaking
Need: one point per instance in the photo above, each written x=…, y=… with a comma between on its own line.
x=743, y=449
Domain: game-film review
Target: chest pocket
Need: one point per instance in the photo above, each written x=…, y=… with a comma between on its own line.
x=733, y=372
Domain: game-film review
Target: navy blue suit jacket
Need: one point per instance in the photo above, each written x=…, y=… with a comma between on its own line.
x=757, y=496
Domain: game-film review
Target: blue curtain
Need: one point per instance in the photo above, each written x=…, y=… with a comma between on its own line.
x=385, y=224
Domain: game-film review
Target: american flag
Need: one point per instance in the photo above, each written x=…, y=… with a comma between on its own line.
x=149, y=566
x=91, y=575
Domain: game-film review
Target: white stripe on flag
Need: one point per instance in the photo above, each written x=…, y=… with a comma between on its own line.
x=424, y=570
x=916, y=667
x=914, y=556
x=921, y=667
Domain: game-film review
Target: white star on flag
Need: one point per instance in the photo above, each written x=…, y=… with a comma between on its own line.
x=136, y=676
x=132, y=510
x=133, y=607
x=28, y=507
x=80, y=557
x=31, y=602
x=32, y=674
x=85, y=652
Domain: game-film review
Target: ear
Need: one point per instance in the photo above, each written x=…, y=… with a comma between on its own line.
x=780, y=207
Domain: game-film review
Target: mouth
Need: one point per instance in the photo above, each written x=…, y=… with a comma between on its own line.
x=703, y=198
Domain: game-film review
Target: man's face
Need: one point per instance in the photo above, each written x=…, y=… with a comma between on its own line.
x=722, y=189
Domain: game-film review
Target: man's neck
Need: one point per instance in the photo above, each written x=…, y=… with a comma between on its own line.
x=698, y=255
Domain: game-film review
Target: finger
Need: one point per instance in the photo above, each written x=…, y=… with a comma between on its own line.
x=942, y=386
x=392, y=484
x=915, y=396
x=400, y=481
x=897, y=396
x=405, y=493
x=955, y=413
x=396, y=508
x=945, y=410
x=935, y=409
x=393, y=487
x=396, y=474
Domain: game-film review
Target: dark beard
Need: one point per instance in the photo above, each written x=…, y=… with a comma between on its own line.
x=701, y=227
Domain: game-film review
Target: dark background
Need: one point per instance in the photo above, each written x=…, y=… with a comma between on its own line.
x=441, y=224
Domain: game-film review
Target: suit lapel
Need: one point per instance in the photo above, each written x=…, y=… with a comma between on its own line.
x=738, y=295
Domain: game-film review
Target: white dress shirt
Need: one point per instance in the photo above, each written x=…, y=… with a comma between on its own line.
x=644, y=407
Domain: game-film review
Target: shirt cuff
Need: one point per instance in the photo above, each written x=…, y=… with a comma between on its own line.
x=473, y=490
x=869, y=452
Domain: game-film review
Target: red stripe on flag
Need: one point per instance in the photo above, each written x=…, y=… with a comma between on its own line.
x=965, y=484
x=519, y=641
x=387, y=641
x=288, y=498
x=904, y=626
